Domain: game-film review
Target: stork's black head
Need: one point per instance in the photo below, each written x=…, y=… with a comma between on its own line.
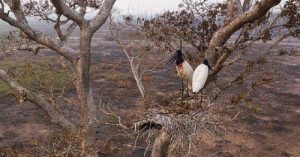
x=205, y=62
x=178, y=53
x=177, y=56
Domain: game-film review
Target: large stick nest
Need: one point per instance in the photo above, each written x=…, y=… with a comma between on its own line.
x=180, y=121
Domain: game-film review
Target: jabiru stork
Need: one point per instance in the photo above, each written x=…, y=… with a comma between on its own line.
x=200, y=76
x=184, y=70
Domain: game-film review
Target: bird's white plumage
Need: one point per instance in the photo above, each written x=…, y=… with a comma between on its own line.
x=185, y=72
x=199, y=77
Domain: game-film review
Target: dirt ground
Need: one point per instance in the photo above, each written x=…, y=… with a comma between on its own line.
x=273, y=130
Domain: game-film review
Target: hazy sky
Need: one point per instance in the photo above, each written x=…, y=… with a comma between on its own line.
x=151, y=6
x=145, y=6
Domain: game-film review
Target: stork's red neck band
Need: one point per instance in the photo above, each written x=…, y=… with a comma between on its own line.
x=179, y=65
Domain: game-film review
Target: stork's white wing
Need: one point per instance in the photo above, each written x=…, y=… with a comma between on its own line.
x=199, y=77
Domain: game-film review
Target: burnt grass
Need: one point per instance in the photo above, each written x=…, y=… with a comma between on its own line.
x=270, y=128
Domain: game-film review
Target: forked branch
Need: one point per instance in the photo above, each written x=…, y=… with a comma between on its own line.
x=68, y=12
x=21, y=23
x=102, y=15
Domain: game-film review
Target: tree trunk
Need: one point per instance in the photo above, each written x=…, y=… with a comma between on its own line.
x=161, y=145
x=84, y=92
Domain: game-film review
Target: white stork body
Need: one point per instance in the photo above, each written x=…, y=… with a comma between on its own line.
x=199, y=77
x=185, y=72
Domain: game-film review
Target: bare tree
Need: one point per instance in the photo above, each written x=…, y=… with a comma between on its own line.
x=137, y=50
x=70, y=14
x=115, y=30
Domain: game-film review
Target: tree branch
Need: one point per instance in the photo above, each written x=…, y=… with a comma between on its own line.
x=2, y=5
x=63, y=36
x=102, y=16
x=24, y=94
x=63, y=9
x=224, y=33
x=39, y=37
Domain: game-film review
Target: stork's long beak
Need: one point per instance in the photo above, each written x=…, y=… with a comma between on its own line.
x=172, y=59
x=209, y=67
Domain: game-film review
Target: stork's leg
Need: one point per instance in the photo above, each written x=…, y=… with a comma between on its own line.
x=187, y=87
x=201, y=98
x=182, y=91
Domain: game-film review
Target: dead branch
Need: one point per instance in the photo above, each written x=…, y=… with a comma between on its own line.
x=106, y=109
x=132, y=57
x=24, y=94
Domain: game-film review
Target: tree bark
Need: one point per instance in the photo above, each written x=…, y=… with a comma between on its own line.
x=84, y=90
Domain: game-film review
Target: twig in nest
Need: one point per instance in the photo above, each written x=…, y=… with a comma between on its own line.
x=228, y=120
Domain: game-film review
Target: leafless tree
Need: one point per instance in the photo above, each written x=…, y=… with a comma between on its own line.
x=72, y=15
x=137, y=50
